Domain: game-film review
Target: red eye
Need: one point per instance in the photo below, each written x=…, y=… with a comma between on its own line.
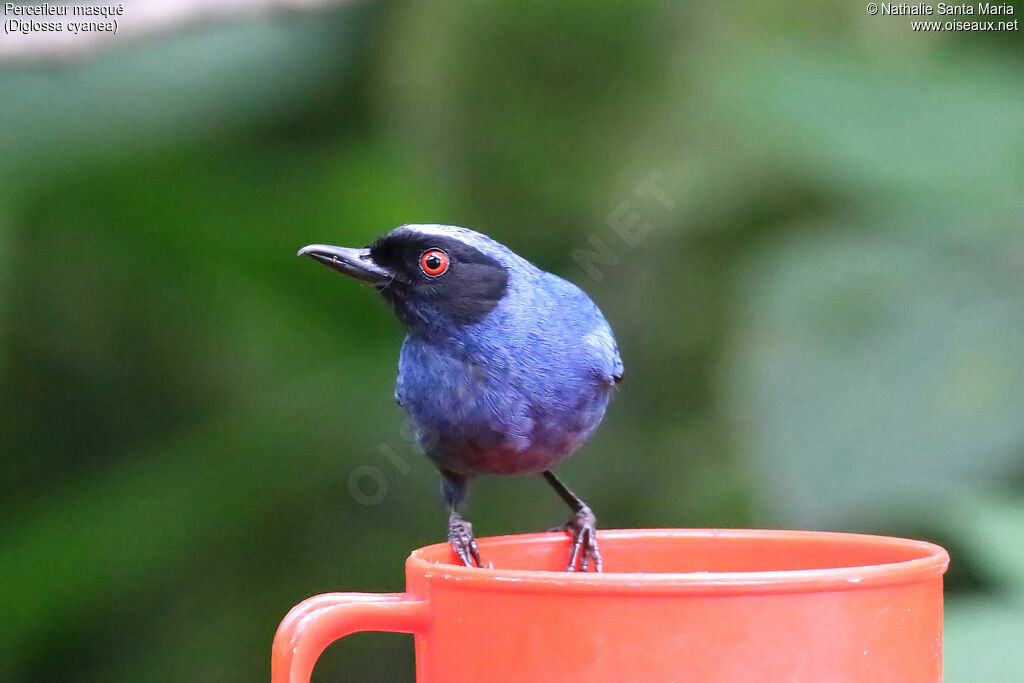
x=434, y=262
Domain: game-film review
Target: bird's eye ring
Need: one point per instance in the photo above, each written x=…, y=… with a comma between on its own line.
x=433, y=262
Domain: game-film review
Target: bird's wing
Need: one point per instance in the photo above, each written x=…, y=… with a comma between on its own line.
x=580, y=316
x=618, y=370
x=604, y=348
x=605, y=353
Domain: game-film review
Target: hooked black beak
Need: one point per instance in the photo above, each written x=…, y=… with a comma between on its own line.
x=356, y=263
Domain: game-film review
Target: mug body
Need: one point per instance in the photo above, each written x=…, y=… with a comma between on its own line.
x=682, y=605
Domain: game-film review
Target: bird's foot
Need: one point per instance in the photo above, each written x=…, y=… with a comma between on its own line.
x=460, y=535
x=583, y=528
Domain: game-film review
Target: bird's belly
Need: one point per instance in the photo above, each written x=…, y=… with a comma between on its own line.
x=472, y=460
x=510, y=436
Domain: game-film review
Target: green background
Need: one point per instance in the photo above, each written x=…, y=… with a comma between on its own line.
x=820, y=305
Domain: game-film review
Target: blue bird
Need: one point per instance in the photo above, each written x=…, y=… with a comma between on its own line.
x=505, y=369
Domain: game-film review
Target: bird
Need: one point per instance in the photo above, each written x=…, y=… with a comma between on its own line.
x=505, y=369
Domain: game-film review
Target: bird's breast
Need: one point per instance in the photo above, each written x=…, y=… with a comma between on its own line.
x=480, y=410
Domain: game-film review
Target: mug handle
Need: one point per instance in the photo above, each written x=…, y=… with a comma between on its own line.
x=317, y=622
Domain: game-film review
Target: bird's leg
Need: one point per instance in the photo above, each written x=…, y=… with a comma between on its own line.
x=582, y=526
x=460, y=532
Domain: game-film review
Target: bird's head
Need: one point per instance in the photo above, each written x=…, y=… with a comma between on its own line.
x=434, y=275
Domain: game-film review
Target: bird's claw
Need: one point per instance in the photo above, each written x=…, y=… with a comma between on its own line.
x=460, y=535
x=583, y=528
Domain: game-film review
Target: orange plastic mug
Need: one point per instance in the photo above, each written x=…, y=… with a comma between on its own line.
x=672, y=605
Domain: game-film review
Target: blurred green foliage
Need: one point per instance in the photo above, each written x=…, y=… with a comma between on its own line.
x=818, y=304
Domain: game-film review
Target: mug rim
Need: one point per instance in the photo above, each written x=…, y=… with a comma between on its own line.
x=931, y=563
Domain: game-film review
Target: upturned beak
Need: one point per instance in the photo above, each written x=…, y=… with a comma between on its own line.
x=356, y=263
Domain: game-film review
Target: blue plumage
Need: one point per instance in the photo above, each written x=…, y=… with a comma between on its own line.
x=506, y=369
x=519, y=390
